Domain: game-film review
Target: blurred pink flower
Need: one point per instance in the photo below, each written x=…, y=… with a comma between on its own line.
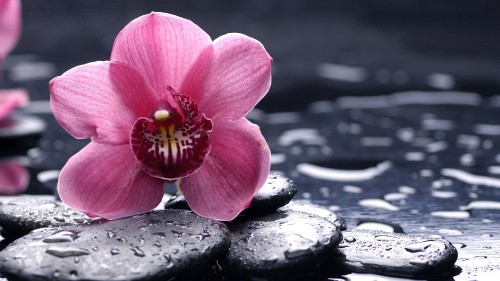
x=10, y=26
x=168, y=106
x=14, y=177
x=12, y=99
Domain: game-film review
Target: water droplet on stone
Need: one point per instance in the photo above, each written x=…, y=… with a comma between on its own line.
x=349, y=239
x=418, y=247
x=137, y=252
x=63, y=252
x=385, y=238
x=297, y=251
x=79, y=220
x=161, y=234
x=59, y=219
x=450, y=232
x=61, y=236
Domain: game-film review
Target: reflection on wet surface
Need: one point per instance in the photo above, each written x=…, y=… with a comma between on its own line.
x=433, y=169
x=420, y=163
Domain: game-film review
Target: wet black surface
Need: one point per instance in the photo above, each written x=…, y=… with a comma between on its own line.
x=276, y=192
x=154, y=246
x=422, y=163
x=19, y=216
x=279, y=244
x=394, y=254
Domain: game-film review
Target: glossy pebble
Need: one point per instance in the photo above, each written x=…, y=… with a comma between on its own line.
x=154, y=246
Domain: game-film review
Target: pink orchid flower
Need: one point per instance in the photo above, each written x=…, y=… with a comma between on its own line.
x=14, y=177
x=10, y=26
x=12, y=99
x=168, y=107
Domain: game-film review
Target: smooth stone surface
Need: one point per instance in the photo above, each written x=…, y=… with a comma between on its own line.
x=279, y=243
x=276, y=192
x=394, y=254
x=21, y=214
x=154, y=246
x=21, y=131
x=311, y=208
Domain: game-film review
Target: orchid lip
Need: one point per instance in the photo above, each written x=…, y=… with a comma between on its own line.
x=172, y=143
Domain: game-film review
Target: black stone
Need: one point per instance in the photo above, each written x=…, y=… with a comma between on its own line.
x=177, y=202
x=311, y=208
x=154, y=246
x=276, y=192
x=21, y=214
x=280, y=243
x=21, y=131
x=394, y=254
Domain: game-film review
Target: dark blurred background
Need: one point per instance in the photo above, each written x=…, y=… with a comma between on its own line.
x=321, y=49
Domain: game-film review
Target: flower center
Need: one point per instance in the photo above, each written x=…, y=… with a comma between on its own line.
x=173, y=142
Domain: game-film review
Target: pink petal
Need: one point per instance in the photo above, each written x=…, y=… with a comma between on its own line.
x=239, y=76
x=14, y=178
x=235, y=169
x=10, y=25
x=100, y=100
x=12, y=99
x=162, y=47
x=105, y=180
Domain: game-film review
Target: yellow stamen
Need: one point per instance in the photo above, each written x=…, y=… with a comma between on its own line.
x=161, y=115
x=163, y=133
x=171, y=129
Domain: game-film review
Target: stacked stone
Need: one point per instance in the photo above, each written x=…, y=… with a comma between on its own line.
x=276, y=237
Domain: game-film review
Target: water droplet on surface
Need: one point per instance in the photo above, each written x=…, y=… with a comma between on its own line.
x=79, y=220
x=352, y=189
x=481, y=205
x=63, y=252
x=471, y=178
x=385, y=238
x=376, y=226
x=407, y=190
x=48, y=206
x=61, y=236
x=395, y=196
x=418, y=247
x=137, y=252
x=59, y=219
x=443, y=194
x=297, y=251
x=450, y=232
x=349, y=239
x=160, y=234
x=331, y=174
x=451, y=214
x=378, y=203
